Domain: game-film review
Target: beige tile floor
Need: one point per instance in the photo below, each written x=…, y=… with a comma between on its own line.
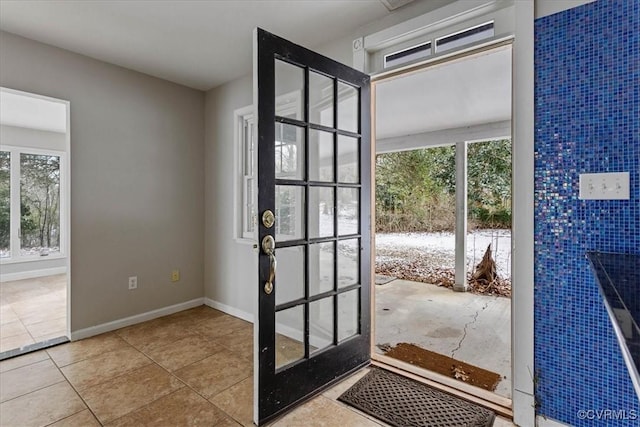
x=32, y=310
x=190, y=368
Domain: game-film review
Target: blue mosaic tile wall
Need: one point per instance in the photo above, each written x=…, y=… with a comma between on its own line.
x=587, y=115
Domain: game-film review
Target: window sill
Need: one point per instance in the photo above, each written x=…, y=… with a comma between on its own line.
x=245, y=240
x=31, y=259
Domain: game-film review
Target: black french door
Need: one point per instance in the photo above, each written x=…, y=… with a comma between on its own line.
x=314, y=178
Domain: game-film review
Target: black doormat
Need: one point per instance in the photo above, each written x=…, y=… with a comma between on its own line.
x=404, y=402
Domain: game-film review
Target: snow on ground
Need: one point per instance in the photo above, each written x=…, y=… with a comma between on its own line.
x=441, y=247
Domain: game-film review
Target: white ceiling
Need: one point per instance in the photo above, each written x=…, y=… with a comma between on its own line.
x=200, y=44
x=472, y=91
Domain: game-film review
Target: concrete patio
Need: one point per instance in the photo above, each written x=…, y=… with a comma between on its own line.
x=475, y=329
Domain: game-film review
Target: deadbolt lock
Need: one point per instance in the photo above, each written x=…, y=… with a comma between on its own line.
x=268, y=218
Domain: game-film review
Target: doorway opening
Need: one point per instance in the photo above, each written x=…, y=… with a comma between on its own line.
x=34, y=222
x=443, y=203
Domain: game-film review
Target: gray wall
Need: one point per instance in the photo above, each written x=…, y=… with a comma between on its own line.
x=231, y=267
x=137, y=179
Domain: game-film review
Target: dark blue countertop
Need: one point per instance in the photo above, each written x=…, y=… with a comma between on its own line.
x=619, y=278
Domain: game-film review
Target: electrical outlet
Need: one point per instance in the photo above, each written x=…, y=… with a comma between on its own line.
x=175, y=275
x=133, y=282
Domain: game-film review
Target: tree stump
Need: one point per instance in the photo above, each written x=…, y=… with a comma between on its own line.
x=486, y=270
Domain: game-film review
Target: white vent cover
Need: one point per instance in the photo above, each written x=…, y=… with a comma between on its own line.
x=392, y=5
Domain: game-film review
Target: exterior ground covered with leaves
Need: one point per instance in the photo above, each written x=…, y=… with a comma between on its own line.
x=430, y=258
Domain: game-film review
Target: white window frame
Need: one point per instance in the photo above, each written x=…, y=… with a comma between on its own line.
x=14, y=179
x=244, y=136
x=246, y=153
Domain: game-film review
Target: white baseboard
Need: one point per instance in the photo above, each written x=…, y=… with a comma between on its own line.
x=32, y=274
x=132, y=320
x=548, y=422
x=229, y=310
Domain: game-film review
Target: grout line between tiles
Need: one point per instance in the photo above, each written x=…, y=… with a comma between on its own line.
x=95, y=385
x=75, y=413
x=51, y=385
x=21, y=322
x=145, y=405
x=34, y=390
x=226, y=413
x=86, y=358
x=151, y=361
x=118, y=376
x=185, y=385
x=173, y=342
x=32, y=363
x=21, y=319
x=196, y=391
x=77, y=393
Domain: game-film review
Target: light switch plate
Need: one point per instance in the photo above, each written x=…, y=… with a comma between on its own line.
x=604, y=186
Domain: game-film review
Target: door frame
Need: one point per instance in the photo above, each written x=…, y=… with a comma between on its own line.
x=500, y=404
x=522, y=124
x=65, y=190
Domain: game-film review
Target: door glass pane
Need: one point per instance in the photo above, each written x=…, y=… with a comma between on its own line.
x=320, y=324
x=5, y=204
x=321, y=267
x=348, y=211
x=348, y=262
x=289, y=283
x=348, y=314
x=347, y=107
x=289, y=81
x=320, y=99
x=320, y=212
x=320, y=155
x=289, y=151
x=289, y=212
x=289, y=345
x=39, y=204
x=348, y=170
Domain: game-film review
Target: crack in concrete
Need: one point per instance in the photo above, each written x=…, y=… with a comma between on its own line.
x=464, y=333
